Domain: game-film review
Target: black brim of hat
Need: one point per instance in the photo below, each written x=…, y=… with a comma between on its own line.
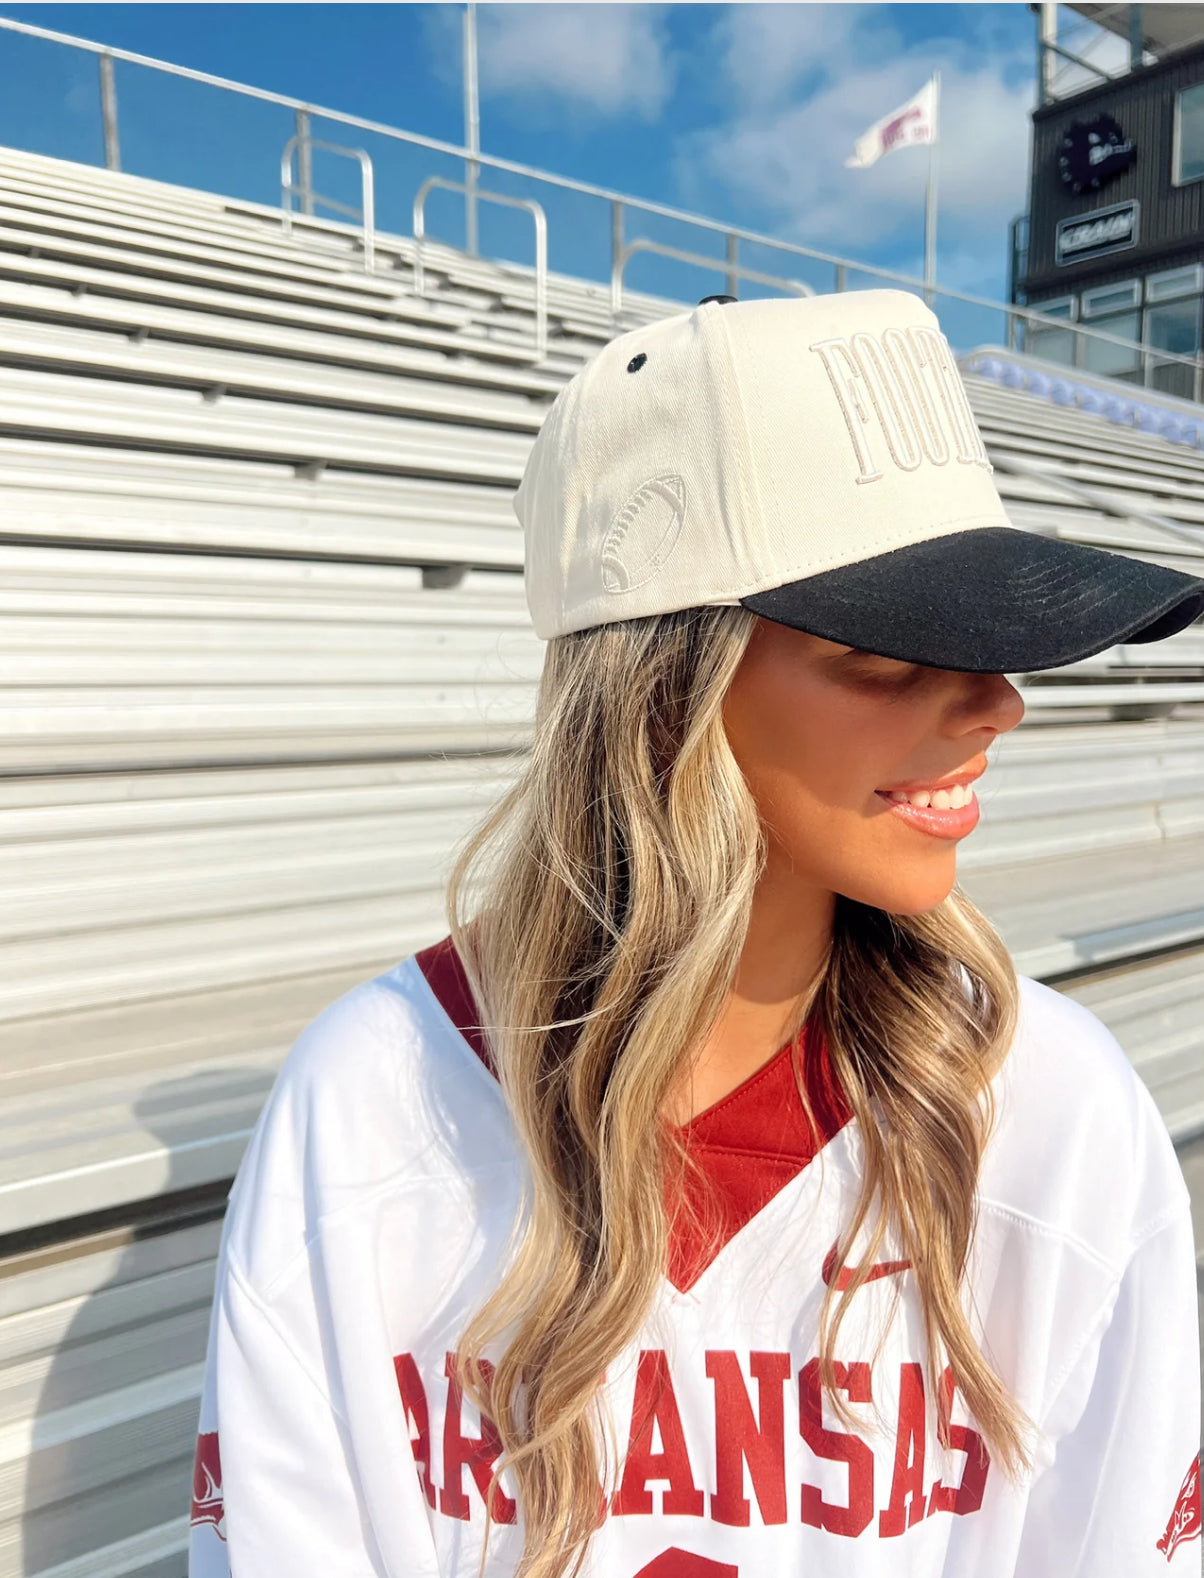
x=996, y=600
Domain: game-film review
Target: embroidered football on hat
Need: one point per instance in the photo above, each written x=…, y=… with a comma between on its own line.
x=643, y=534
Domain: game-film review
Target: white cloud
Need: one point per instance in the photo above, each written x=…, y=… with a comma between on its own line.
x=608, y=59
x=793, y=158
x=806, y=81
x=770, y=49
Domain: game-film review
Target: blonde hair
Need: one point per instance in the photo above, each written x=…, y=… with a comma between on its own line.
x=615, y=881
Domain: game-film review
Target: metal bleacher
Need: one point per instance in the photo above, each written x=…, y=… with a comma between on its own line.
x=266, y=657
x=1092, y=863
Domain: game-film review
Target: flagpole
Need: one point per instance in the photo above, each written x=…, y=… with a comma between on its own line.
x=930, y=197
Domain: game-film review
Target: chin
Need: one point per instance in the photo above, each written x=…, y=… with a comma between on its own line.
x=906, y=894
x=919, y=906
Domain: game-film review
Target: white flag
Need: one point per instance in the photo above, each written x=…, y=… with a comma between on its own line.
x=913, y=122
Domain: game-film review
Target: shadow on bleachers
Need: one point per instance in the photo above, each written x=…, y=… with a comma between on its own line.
x=114, y=1364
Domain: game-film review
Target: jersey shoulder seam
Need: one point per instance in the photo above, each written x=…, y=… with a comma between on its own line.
x=378, y=1024
x=1102, y=1315
x=1034, y=1225
x=397, y=1184
x=242, y=1282
x=1039, y=1228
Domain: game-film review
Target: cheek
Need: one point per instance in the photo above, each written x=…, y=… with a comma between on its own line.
x=816, y=751
x=812, y=766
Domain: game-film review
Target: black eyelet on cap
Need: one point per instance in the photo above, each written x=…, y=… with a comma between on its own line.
x=705, y=299
x=636, y=362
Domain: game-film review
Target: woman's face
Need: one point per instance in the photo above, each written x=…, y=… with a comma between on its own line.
x=824, y=734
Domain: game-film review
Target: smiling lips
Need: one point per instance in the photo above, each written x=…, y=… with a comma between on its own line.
x=951, y=799
x=947, y=809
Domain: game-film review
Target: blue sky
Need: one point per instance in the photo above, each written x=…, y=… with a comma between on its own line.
x=743, y=112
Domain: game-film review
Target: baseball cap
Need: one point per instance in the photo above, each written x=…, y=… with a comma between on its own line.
x=816, y=460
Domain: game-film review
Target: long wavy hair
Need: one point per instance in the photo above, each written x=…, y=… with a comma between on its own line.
x=613, y=885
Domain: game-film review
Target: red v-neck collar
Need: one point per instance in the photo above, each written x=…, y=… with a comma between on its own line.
x=745, y=1149
x=448, y=979
x=748, y=1147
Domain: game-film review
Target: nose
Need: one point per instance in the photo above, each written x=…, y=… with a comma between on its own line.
x=988, y=704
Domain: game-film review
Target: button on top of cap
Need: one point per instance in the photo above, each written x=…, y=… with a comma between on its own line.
x=705, y=299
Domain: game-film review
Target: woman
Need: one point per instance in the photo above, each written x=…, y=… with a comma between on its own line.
x=714, y=1201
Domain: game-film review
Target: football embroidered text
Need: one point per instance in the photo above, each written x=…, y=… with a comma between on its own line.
x=902, y=400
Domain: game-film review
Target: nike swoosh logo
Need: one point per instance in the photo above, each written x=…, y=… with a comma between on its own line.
x=884, y=1268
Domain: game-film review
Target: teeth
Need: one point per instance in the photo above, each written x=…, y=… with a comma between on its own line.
x=939, y=800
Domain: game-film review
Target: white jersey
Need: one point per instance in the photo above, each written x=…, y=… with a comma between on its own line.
x=370, y=1218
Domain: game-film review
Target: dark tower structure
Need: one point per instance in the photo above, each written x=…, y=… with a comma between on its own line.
x=1114, y=236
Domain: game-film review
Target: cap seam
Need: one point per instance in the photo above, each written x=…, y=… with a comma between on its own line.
x=752, y=482
x=776, y=578
x=781, y=577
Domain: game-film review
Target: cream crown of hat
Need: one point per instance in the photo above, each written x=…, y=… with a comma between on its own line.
x=816, y=459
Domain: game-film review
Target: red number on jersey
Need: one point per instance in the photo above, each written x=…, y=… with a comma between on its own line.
x=684, y=1564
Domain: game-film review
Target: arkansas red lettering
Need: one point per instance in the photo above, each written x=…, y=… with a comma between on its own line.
x=655, y=1404
x=760, y=1411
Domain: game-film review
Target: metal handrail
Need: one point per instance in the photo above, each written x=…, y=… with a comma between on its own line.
x=619, y=200
x=1043, y=320
x=1085, y=65
x=481, y=195
x=366, y=214
x=727, y=266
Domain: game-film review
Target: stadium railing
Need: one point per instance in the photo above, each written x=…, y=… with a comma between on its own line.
x=836, y=272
